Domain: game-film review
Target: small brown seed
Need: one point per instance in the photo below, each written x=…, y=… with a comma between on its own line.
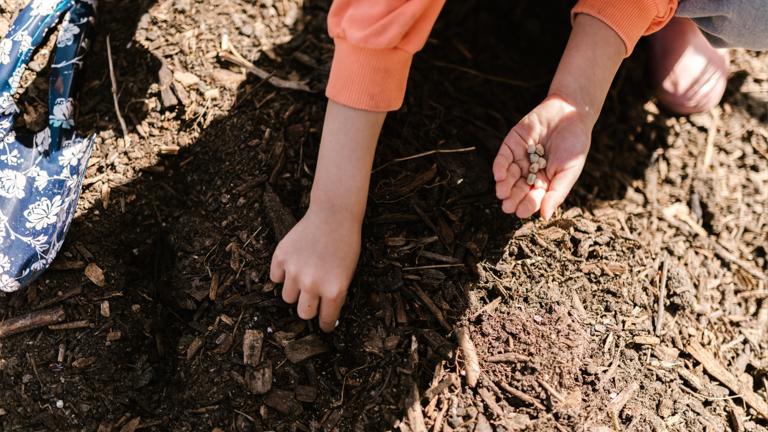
x=534, y=157
x=542, y=163
x=539, y=149
x=531, y=148
x=531, y=179
x=534, y=168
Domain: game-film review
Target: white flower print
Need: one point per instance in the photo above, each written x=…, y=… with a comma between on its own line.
x=62, y=113
x=12, y=184
x=11, y=158
x=5, y=51
x=67, y=34
x=15, y=79
x=39, y=265
x=25, y=41
x=5, y=263
x=41, y=177
x=43, y=213
x=43, y=140
x=43, y=7
x=8, y=284
x=70, y=155
x=7, y=105
x=9, y=138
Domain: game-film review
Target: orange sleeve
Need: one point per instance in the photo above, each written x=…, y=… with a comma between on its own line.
x=375, y=41
x=630, y=19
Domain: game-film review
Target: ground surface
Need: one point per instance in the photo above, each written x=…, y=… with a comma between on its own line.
x=182, y=220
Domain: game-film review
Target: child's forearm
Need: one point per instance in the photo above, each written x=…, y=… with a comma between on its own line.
x=345, y=161
x=588, y=66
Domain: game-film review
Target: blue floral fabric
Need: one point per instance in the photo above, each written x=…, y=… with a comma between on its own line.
x=41, y=173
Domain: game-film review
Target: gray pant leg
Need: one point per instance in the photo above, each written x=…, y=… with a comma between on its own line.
x=729, y=23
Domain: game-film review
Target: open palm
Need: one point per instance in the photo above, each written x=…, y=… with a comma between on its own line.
x=565, y=134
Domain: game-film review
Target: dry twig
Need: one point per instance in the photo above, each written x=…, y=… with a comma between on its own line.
x=717, y=370
x=471, y=363
x=114, y=94
x=31, y=321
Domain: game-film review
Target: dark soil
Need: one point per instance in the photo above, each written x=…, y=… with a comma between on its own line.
x=565, y=316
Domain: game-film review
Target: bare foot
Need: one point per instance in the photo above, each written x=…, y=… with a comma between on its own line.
x=689, y=75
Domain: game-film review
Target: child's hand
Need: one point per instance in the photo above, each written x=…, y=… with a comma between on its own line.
x=315, y=262
x=565, y=133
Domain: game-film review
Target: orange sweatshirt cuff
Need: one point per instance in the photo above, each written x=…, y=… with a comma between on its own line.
x=368, y=79
x=629, y=19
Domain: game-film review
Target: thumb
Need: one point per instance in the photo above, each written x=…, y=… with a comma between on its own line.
x=277, y=269
x=559, y=187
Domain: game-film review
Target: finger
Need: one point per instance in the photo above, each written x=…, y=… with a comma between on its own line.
x=559, y=187
x=330, y=309
x=503, y=160
x=504, y=187
x=530, y=202
x=307, y=307
x=276, y=269
x=519, y=190
x=290, y=289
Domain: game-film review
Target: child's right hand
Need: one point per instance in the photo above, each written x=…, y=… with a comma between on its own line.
x=565, y=133
x=316, y=261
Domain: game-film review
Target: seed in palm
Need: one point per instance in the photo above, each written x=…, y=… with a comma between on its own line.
x=536, y=157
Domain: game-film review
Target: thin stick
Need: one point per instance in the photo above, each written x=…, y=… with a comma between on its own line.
x=426, y=153
x=114, y=94
x=718, y=371
x=521, y=395
x=31, y=321
x=662, y=296
x=710, y=149
x=414, y=412
x=617, y=404
x=74, y=325
x=471, y=362
x=432, y=307
x=433, y=266
x=489, y=77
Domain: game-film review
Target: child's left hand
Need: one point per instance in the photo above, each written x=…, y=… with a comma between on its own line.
x=565, y=132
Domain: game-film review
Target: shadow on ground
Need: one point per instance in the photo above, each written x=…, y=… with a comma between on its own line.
x=199, y=219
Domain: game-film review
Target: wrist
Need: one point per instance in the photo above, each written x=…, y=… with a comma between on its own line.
x=337, y=206
x=588, y=66
x=586, y=115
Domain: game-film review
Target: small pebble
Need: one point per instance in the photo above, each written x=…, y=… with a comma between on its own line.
x=534, y=157
x=542, y=163
x=534, y=168
x=539, y=149
x=59, y=404
x=531, y=148
x=531, y=179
